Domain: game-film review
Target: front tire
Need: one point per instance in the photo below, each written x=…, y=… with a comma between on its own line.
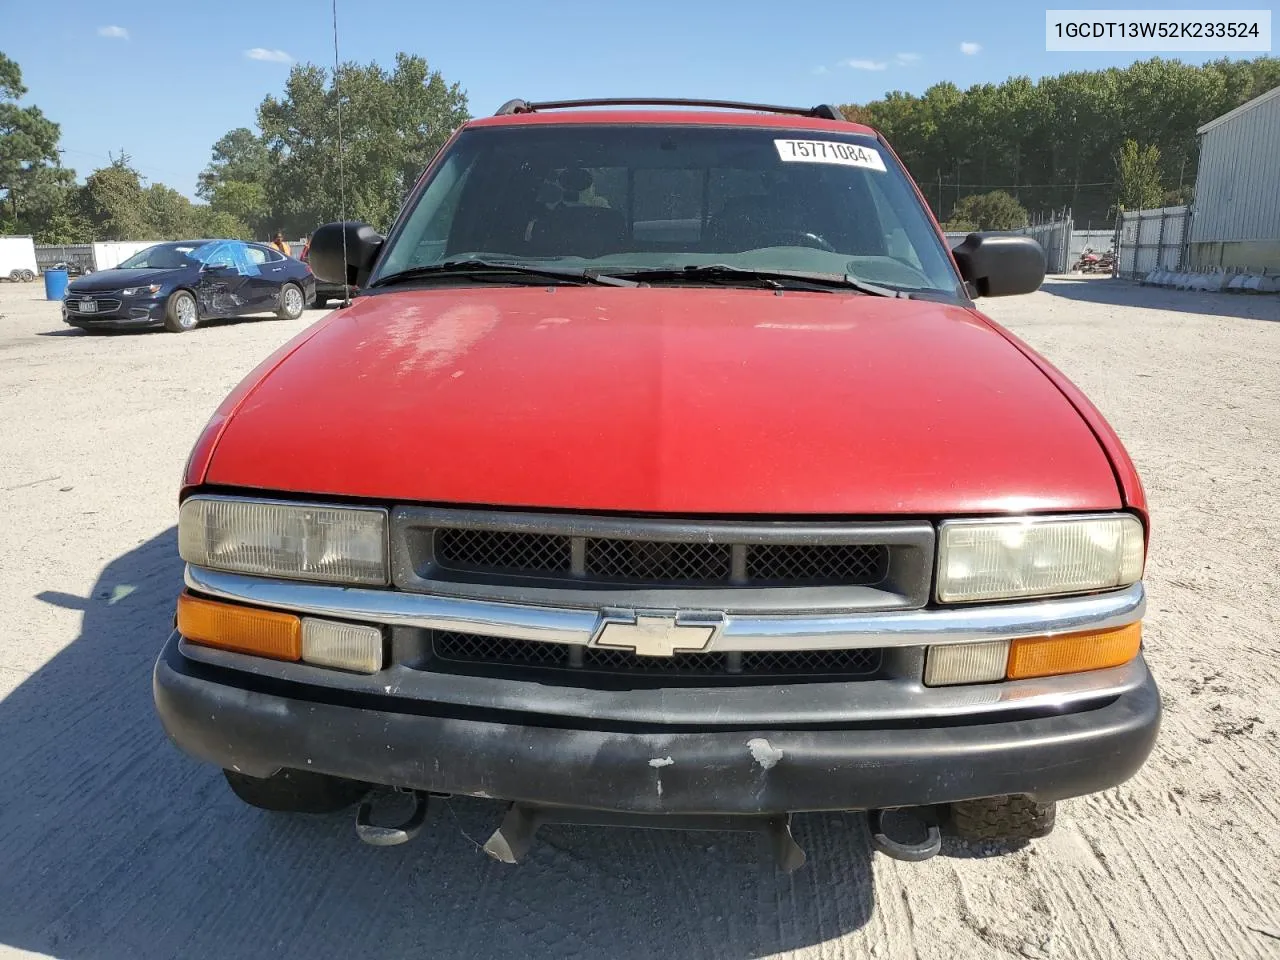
x=292, y=302
x=180, y=313
x=320, y=302
x=296, y=791
x=1014, y=819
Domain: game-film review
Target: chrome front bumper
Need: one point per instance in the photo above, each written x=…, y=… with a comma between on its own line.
x=735, y=632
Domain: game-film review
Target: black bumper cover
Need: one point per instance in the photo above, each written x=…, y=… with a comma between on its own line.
x=121, y=319
x=702, y=772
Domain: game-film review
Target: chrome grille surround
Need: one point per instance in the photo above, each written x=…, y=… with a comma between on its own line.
x=104, y=304
x=630, y=562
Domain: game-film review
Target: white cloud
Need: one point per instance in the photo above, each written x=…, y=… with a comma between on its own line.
x=115, y=33
x=866, y=64
x=906, y=58
x=969, y=48
x=271, y=56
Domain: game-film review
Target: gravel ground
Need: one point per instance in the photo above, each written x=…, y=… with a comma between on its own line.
x=114, y=845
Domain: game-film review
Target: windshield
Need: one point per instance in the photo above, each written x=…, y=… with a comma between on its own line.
x=163, y=256
x=619, y=198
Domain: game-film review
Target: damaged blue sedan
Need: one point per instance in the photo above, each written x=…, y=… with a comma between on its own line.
x=178, y=285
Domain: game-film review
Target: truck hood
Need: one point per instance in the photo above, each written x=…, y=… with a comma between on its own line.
x=665, y=400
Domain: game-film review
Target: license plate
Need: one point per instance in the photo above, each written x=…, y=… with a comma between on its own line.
x=88, y=306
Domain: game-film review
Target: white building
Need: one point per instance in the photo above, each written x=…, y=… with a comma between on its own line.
x=1236, y=220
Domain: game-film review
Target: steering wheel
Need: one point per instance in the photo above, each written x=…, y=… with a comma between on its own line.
x=803, y=238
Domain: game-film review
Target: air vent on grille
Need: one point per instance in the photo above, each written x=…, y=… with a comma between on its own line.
x=610, y=560
x=502, y=551
x=500, y=652
x=647, y=560
x=817, y=563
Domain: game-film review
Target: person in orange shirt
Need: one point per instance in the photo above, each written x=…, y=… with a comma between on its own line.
x=279, y=244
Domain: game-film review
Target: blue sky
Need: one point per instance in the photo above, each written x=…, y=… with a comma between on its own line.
x=164, y=80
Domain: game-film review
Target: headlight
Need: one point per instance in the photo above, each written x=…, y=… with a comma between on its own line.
x=1006, y=558
x=149, y=291
x=297, y=541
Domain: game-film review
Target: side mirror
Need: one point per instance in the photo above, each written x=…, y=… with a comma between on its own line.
x=326, y=255
x=1000, y=265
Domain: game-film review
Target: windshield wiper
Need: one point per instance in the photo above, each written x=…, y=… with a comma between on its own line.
x=500, y=270
x=775, y=279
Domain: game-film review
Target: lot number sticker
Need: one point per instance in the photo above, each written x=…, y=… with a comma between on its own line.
x=829, y=151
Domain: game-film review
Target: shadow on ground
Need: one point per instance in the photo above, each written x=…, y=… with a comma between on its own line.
x=113, y=845
x=205, y=325
x=1127, y=293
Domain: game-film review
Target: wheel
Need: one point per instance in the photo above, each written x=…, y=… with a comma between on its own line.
x=27, y=275
x=292, y=303
x=296, y=791
x=180, y=314
x=1013, y=818
x=320, y=302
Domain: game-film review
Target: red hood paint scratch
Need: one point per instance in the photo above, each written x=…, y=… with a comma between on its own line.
x=690, y=401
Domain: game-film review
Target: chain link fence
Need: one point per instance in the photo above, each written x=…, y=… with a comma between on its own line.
x=77, y=257
x=1056, y=237
x=1149, y=240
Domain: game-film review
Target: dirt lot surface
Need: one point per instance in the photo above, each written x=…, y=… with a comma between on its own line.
x=114, y=845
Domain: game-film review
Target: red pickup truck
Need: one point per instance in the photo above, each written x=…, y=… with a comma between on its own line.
x=663, y=472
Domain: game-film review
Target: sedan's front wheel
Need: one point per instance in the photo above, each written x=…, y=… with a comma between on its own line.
x=292, y=303
x=180, y=313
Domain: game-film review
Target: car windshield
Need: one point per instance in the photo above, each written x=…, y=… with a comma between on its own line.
x=626, y=198
x=163, y=256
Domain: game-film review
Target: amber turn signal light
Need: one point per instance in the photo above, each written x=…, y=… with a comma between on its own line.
x=1073, y=652
x=263, y=633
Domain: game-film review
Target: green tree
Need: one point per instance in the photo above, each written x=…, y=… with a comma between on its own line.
x=240, y=156
x=28, y=150
x=996, y=210
x=170, y=215
x=1053, y=143
x=114, y=204
x=393, y=123
x=245, y=202
x=48, y=210
x=235, y=185
x=219, y=225
x=1138, y=169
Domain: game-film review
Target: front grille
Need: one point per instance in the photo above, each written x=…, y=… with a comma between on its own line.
x=644, y=561
x=818, y=563
x=501, y=551
x=497, y=652
x=658, y=562
x=107, y=305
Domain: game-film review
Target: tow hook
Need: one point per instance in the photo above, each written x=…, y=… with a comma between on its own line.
x=389, y=836
x=515, y=835
x=923, y=817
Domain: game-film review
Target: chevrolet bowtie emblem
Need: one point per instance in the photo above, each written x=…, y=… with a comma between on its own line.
x=654, y=635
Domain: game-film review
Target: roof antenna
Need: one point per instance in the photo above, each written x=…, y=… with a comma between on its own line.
x=342, y=184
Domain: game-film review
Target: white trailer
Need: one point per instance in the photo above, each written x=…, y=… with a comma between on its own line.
x=18, y=258
x=109, y=254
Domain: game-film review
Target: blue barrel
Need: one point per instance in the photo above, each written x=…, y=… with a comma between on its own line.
x=55, y=284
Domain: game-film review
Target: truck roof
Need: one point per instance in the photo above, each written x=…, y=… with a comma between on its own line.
x=669, y=111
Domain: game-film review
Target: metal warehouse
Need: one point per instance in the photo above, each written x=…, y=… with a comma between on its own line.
x=1236, y=224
